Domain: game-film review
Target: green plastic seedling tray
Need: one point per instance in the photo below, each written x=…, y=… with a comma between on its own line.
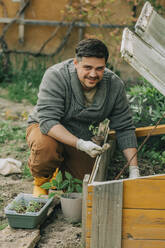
x=29, y=219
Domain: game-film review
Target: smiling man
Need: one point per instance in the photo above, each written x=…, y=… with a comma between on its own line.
x=73, y=95
x=90, y=71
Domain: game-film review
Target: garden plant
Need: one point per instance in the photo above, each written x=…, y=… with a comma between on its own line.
x=61, y=186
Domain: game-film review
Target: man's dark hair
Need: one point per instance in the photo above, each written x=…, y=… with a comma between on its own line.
x=92, y=48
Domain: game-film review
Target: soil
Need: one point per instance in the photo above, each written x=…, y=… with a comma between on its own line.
x=56, y=231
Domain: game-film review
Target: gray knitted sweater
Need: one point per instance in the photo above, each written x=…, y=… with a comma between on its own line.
x=61, y=100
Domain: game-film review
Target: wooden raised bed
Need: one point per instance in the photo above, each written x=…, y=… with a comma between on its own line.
x=130, y=213
x=126, y=213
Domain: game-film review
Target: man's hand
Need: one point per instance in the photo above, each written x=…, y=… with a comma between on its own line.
x=89, y=147
x=133, y=171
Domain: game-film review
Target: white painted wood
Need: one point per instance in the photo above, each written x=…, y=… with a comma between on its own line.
x=104, y=162
x=84, y=207
x=150, y=26
x=107, y=215
x=144, y=59
x=145, y=50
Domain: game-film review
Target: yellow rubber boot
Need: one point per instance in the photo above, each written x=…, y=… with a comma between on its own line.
x=37, y=190
x=54, y=176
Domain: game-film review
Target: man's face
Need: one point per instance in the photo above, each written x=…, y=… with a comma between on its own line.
x=90, y=71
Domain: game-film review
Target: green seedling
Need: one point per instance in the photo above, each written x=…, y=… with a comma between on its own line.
x=21, y=207
x=67, y=185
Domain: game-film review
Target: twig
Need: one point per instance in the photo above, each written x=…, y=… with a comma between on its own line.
x=4, y=46
x=53, y=34
x=59, y=48
x=139, y=148
x=14, y=19
x=49, y=39
x=66, y=37
x=35, y=54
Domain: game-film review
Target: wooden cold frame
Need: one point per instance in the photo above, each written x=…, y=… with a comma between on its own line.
x=131, y=212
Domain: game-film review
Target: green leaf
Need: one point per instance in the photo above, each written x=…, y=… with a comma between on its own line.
x=64, y=184
x=59, y=177
x=68, y=175
x=46, y=185
x=77, y=181
x=54, y=183
x=78, y=188
x=69, y=190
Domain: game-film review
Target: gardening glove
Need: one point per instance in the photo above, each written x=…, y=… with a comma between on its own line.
x=133, y=171
x=89, y=147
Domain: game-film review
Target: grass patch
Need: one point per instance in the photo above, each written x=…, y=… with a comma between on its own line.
x=22, y=90
x=3, y=226
x=26, y=172
x=11, y=132
x=24, y=77
x=13, y=144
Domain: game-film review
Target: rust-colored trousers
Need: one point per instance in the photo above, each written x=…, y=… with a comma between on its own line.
x=47, y=154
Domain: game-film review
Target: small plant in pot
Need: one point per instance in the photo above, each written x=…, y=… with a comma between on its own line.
x=70, y=192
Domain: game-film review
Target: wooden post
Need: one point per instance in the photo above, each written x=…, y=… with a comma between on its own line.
x=84, y=208
x=21, y=25
x=80, y=32
x=89, y=216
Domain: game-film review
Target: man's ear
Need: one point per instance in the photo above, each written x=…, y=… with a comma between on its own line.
x=75, y=61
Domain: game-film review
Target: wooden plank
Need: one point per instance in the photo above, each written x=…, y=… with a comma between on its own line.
x=141, y=193
x=144, y=59
x=61, y=24
x=89, y=215
x=150, y=26
x=99, y=167
x=84, y=208
x=143, y=224
x=144, y=131
x=104, y=162
x=107, y=215
x=155, y=177
x=88, y=241
x=89, y=222
x=126, y=243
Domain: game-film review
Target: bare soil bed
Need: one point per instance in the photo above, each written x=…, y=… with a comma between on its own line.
x=55, y=232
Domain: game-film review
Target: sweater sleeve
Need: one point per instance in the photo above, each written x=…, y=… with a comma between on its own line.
x=121, y=121
x=50, y=104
